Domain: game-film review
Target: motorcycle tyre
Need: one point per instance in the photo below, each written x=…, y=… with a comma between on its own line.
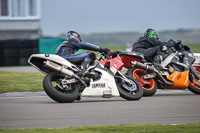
x=124, y=94
x=57, y=95
x=192, y=88
x=146, y=92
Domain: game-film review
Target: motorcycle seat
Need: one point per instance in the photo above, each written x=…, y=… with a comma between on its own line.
x=132, y=54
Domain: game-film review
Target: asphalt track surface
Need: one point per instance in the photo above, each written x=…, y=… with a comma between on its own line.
x=41, y=112
x=36, y=110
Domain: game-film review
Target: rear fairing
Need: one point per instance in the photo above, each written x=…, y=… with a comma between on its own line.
x=128, y=57
x=37, y=60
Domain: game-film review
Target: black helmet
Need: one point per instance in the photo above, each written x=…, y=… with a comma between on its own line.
x=71, y=35
x=151, y=33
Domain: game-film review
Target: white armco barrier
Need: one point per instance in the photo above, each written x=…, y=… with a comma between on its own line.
x=197, y=59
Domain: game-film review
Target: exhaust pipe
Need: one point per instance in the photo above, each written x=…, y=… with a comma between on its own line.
x=58, y=68
x=62, y=69
x=151, y=69
x=144, y=67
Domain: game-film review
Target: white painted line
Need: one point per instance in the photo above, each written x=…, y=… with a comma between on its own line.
x=14, y=97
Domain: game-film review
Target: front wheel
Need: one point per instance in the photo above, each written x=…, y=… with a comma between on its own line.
x=129, y=90
x=194, y=83
x=149, y=85
x=54, y=88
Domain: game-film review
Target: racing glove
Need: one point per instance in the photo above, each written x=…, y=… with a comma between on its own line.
x=164, y=48
x=178, y=44
x=105, y=50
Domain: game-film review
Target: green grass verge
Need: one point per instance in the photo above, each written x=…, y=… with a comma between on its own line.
x=17, y=82
x=111, y=47
x=114, y=47
x=195, y=48
x=151, y=128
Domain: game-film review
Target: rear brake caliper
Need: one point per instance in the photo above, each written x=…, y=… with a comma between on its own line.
x=62, y=84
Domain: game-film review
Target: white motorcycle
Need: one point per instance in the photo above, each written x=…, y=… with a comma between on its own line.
x=103, y=78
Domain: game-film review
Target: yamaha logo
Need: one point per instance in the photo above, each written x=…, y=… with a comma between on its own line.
x=99, y=85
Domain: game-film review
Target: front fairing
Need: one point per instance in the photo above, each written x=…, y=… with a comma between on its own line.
x=115, y=63
x=188, y=58
x=183, y=59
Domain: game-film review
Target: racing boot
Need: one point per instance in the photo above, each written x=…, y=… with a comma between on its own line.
x=86, y=63
x=84, y=67
x=84, y=72
x=157, y=62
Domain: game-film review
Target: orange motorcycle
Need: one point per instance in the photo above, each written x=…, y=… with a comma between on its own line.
x=176, y=71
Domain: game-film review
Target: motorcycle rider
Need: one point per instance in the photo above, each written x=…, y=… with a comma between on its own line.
x=73, y=43
x=151, y=46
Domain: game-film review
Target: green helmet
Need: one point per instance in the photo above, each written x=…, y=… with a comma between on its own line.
x=151, y=33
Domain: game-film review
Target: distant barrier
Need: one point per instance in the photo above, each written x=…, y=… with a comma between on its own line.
x=16, y=52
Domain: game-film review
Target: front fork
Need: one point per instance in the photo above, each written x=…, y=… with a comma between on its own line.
x=123, y=76
x=193, y=71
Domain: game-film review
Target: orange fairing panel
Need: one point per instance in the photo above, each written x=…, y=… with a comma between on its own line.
x=180, y=79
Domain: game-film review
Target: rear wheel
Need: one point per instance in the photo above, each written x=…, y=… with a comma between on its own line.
x=149, y=85
x=129, y=90
x=194, y=84
x=54, y=88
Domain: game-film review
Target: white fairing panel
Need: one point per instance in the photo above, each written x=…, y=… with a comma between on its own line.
x=52, y=57
x=105, y=84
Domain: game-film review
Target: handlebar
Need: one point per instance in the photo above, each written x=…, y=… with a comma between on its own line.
x=178, y=46
x=103, y=56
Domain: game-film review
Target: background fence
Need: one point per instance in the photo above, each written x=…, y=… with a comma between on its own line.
x=17, y=52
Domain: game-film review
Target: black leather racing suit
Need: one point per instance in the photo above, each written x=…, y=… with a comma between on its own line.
x=68, y=48
x=151, y=48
